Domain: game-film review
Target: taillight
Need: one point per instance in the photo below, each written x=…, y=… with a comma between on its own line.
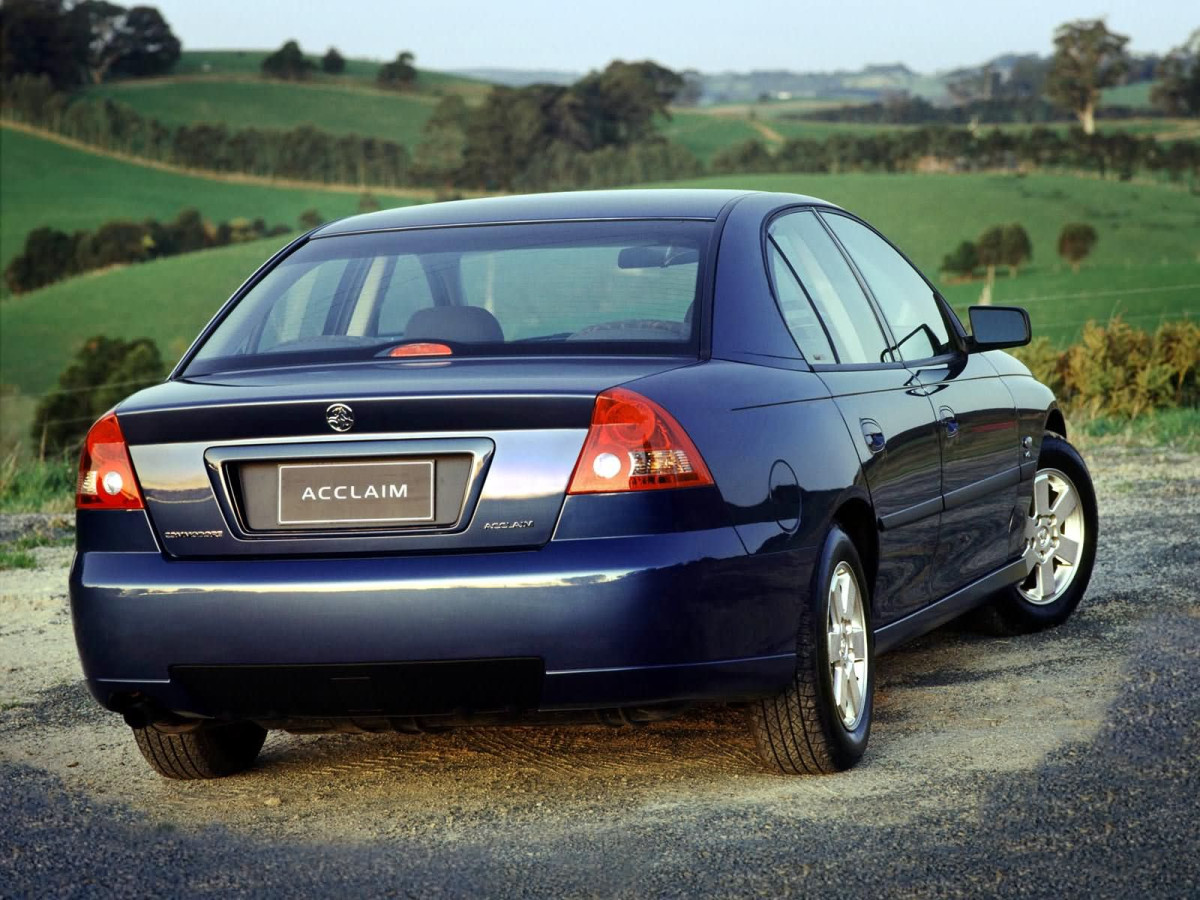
x=635, y=445
x=106, y=479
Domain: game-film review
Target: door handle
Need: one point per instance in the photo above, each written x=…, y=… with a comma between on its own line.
x=873, y=435
x=949, y=421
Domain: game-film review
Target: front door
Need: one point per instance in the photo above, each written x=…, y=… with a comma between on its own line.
x=882, y=403
x=975, y=413
x=977, y=427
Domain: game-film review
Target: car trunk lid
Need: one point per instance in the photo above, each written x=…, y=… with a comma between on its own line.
x=369, y=458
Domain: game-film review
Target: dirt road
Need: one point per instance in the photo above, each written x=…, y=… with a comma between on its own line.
x=1023, y=766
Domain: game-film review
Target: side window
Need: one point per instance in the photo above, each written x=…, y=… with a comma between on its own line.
x=835, y=292
x=798, y=313
x=906, y=299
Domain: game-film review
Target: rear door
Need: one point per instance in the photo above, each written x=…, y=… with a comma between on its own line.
x=882, y=402
x=976, y=416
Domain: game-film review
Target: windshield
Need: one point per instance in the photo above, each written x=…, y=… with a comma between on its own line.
x=521, y=289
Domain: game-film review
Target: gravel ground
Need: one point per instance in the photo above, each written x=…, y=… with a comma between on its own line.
x=1060, y=762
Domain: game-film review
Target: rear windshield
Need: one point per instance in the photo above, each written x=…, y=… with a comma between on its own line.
x=523, y=289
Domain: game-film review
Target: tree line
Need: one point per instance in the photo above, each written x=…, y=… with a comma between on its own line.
x=1009, y=245
x=50, y=255
x=1088, y=58
x=1117, y=154
x=599, y=132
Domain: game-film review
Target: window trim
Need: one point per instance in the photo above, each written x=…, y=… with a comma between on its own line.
x=952, y=332
x=773, y=245
x=884, y=329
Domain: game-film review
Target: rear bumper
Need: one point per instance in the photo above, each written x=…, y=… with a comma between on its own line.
x=615, y=622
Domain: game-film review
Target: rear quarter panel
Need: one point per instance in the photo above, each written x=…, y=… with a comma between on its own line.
x=781, y=457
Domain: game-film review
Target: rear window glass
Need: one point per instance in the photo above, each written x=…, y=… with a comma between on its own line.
x=574, y=288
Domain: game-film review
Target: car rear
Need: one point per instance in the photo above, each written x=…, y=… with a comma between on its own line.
x=417, y=476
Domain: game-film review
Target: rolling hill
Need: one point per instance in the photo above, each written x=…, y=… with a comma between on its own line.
x=1145, y=266
x=46, y=183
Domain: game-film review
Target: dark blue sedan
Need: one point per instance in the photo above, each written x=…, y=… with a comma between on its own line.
x=592, y=456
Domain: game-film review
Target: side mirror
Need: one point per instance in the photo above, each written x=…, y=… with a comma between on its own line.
x=997, y=327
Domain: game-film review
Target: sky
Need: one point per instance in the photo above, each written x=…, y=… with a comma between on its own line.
x=710, y=35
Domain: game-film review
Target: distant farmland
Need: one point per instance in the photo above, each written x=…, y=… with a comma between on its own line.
x=1145, y=265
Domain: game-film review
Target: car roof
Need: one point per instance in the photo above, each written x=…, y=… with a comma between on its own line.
x=671, y=203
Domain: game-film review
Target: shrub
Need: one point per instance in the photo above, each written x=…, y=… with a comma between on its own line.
x=1075, y=242
x=52, y=255
x=310, y=219
x=962, y=261
x=103, y=372
x=748, y=156
x=48, y=256
x=1119, y=371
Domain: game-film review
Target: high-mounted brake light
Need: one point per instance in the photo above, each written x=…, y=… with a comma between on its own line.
x=106, y=479
x=635, y=445
x=421, y=348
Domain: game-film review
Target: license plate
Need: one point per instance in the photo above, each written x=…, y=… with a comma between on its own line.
x=366, y=492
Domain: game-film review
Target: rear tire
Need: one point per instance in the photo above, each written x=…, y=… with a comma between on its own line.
x=211, y=750
x=1060, y=547
x=821, y=721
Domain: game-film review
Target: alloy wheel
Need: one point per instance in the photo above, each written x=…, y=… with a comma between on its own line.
x=847, y=642
x=1054, y=536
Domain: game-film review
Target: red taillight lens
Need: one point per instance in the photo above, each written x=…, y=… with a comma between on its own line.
x=106, y=479
x=635, y=445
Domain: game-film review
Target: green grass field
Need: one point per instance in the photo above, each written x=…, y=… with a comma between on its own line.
x=249, y=63
x=707, y=133
x=45, y=183
x=168, y=300
x=1145, y=267
x=226, y=86
x=340, y=108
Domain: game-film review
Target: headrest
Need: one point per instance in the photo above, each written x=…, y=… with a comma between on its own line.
x=469, y=324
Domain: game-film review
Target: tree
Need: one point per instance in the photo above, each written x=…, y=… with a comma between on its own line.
x=38, y=38
x=440, y=154
x=962, y=261
x=104, y=371
x=333, y=62
x=620, y=105
x=1015, y=247
x=135, y=42
x=990, y=248
x=148, y=46
x=1075, y=242
x=1087, y=58
x=288, y=63
x=399, y=74
x=1178, y=90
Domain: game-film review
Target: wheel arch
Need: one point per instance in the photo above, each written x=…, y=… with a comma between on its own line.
x=1056, y=422
x=856, y=517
